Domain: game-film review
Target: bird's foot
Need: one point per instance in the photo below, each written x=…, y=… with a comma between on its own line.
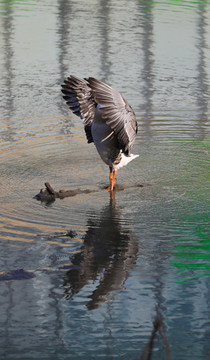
x=112, y=177
x=110, y=188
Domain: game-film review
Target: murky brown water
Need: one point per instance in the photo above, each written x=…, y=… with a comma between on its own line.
x=81, y=278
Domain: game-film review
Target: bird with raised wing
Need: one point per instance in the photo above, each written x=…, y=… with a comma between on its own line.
x=109, y=121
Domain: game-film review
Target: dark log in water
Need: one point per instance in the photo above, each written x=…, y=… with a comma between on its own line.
x=49, y=194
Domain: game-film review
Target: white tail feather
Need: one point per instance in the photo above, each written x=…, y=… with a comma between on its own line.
x=125, y=160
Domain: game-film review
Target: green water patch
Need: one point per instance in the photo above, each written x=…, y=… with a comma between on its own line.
x=7, y=7
x=189, y=216
x=191, y=256
x=180, y=3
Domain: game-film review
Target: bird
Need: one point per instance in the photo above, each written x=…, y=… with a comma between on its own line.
x=109, y=121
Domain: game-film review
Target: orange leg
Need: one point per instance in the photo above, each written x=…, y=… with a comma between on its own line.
x=112, y=177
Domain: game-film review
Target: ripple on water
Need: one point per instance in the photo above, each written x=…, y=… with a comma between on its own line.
x=52, y=150
x=37, y=151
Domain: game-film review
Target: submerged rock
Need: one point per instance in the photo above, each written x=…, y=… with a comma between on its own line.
x=18, y=274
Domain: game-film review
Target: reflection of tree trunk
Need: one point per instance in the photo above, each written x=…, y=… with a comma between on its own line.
x=65, y=13
x=103, y=15
x=203, y=88
x=8, y=103
x=64, y=21
x=159, y=324
x=203, y=95
x=146, y=24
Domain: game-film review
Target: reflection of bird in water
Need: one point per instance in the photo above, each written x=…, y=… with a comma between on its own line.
x=108, y=119
x=107, y=254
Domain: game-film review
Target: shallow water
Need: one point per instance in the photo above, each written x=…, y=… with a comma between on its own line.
x=84, y=277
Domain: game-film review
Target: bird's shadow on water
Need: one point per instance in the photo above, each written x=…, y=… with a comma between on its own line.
x=108, y=251
x=106, y=257
x=107, y=254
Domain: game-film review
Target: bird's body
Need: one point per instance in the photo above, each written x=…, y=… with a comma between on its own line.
x=108, y=120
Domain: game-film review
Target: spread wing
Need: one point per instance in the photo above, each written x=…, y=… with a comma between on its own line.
x=116, y=112
x=79, y=98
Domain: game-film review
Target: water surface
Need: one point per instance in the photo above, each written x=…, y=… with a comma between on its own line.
x=84, y=277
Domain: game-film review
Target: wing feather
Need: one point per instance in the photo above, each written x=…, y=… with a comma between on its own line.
x=78, y=96
x=82, y=97
x=116, y=112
